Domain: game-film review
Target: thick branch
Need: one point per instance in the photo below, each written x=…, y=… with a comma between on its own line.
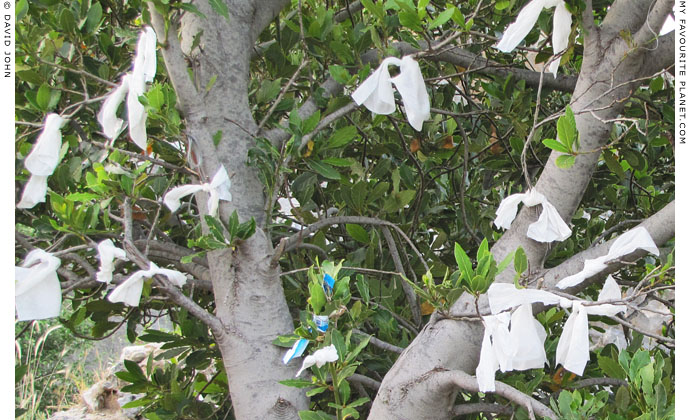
x=661, y=227
x=662, y=56
x=655, y=20
x=625, y=15
x=469, y=383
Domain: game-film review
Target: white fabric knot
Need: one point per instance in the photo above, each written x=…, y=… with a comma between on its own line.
x=129, y=291
x=319, y=358
x=37, y=292
x=573, y=347
x=107, y=252
x=526, y=19
x=376, y=92
x=218, y=189
x=42, y=161
x=133, y=85
x=630, y=241
x=548, y=228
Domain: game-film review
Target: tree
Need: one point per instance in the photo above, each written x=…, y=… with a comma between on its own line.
x=262, y=89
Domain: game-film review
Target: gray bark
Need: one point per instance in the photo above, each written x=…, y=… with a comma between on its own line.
x=250, y=303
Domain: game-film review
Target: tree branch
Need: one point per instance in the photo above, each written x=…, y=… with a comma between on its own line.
x=365, y=380
x=175, y=62
x=662, y=56
x=380, y=343
x=655, y=19
x=661, y=227
x=161, y=282
x=470, y=408
x=293, y=240
x=407, y=288
x=467, y=382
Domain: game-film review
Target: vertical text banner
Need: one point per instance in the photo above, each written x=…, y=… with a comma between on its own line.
x=7, y=206
x=681, y=149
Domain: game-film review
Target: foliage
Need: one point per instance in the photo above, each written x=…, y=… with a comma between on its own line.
x=358, y=165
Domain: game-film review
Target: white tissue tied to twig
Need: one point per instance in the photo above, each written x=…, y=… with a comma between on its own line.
x=129, y=291
x=319, y=358
x=42, y=161
x=516, y=341
x=548, y=228
x=132, y=85
x=527, y=18
x=218, y=189
x=107, y=252
x=37, y=291
x=629, y=242
x=376, y=92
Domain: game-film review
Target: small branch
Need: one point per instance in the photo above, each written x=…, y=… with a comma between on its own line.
x=380, y=343
x=584, y=383
x=162, y=283
x=76, y=71
x=81, y=261
x=365, y=380
x=615, y=228
x=143, y=157
x=280, y=96
x=668, y=341
x=465, y=161
x=588, y=19
x=175, y=62
x=470, y=408
x=469, y=383
x=293, y=240
x=407, y=288
x=327, y=120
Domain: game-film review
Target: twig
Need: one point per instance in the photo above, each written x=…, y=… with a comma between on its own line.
x=407, y=288
x=465, y=161
x=280, y=96
x=143, y=157
x=379, y=343
x=328, y=221
x=365, y=380
x=82, y=72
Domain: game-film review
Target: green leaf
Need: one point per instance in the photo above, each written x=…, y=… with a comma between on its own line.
x=506, y=261
x=520, y=260
x=93, y=18
x=358, y=233
x=211, y=82
x=613, y=164
x=556, y=145
x=296, y=383
x=341, y=137
x=317, y=297
x=567, y=130
x=339, y=74
x=233, y=225
x=324, y=170
x=311, y=415
x=355, y=352
x=246, y=229
x=217, y=137
x=610, y=367
x=221, y=8
x=43, y=97
x=502, y=5
x=442, y=18
x=374, y=9
x=464, y=263
x=338, y=342
x=215, y=227
x=155, y=97
x=565, y=161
